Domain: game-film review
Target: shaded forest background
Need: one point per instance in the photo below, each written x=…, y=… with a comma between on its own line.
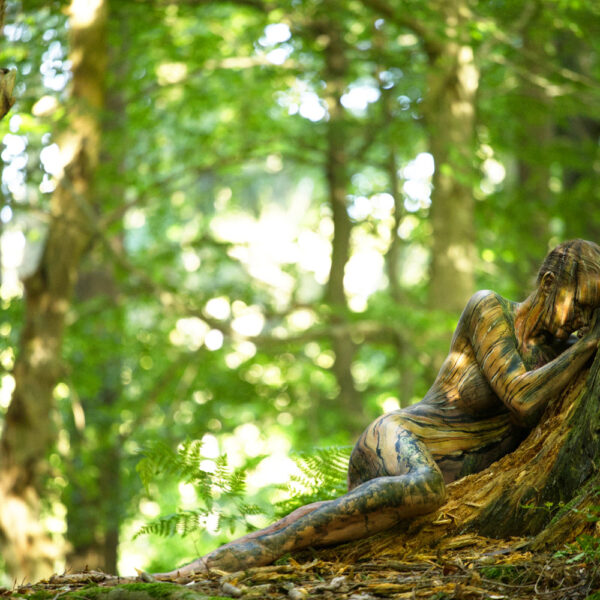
x=255, y=224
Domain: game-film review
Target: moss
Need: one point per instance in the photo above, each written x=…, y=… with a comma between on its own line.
x=37, y=595
x=127, y=591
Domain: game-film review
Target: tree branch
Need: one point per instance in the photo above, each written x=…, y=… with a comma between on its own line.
x=260, y=5
x=401, y=18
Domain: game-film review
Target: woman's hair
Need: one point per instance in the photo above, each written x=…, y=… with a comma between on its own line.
x=575, y=262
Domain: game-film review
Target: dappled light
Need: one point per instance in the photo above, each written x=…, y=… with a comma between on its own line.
x=7, y=386
x=83, y=12
x=238, y=231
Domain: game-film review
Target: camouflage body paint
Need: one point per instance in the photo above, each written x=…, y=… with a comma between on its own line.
x=506, y=361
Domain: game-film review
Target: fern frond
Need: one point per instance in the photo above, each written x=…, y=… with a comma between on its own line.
x=237, y=483
x=146, y=470
x=322, y=476
x=249, y=509
x=161, y=458
x=220, y=490
x=181, y=522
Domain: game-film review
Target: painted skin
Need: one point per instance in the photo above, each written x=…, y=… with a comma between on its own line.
x=506, y=362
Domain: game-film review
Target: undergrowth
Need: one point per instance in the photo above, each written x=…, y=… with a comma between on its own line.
x=222, y=491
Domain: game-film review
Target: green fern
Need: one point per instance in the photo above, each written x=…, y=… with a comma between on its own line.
x=181, y=523
x=323, y=476
x=161, y=458
x=222, y=491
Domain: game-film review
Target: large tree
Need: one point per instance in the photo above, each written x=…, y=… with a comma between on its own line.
x=449, y=112
x=28, y=431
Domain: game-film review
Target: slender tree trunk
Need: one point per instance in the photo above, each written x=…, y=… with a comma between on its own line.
x=95, y=511
x=27, y=435
x=94, y=500
x=336, y=66
x=449, y=112
x=534, y=138
x=401, y=342
x=582, y=132
x=393, y=253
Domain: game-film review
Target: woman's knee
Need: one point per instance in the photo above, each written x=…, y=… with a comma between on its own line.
x=431, y=485
x=418, y=492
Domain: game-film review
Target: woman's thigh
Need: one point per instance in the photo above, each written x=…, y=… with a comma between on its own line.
x=386, y=448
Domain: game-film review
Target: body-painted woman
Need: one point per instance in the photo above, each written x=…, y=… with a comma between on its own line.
x=507, y=360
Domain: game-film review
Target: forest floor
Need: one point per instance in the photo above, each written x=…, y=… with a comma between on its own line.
x=472, y=568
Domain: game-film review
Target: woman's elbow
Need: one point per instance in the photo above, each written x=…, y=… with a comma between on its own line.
x=525, y=413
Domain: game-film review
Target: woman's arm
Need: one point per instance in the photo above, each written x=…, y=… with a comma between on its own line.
x=525, y=393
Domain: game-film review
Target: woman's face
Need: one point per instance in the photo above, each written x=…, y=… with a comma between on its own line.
x=572, y=308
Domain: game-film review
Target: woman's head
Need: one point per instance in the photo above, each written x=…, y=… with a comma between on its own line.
x=569, y=278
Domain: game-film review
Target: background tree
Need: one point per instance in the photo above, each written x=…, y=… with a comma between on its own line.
x=28, y=433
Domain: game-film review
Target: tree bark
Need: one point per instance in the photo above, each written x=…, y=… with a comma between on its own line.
x=28, y=434
x=541, y=490
x=94, y=501
x=449, y=114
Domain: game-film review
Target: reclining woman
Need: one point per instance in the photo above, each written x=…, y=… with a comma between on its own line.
x=507, y=360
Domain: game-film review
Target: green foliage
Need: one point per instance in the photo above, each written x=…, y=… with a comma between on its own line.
x=550, y=508
x=504, y=573
x=323, y=476
x=221, y=491
x=586, y=548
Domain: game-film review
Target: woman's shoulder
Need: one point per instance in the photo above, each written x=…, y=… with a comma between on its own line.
x=486, y=299
x=489, y=305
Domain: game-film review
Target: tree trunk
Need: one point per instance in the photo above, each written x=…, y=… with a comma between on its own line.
x=523, y=493
x=95, y=511
x=27, y=435
x=336, y=66
x=535, y=148
x=449, y=113
x=392, y=255
x=94, y=500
